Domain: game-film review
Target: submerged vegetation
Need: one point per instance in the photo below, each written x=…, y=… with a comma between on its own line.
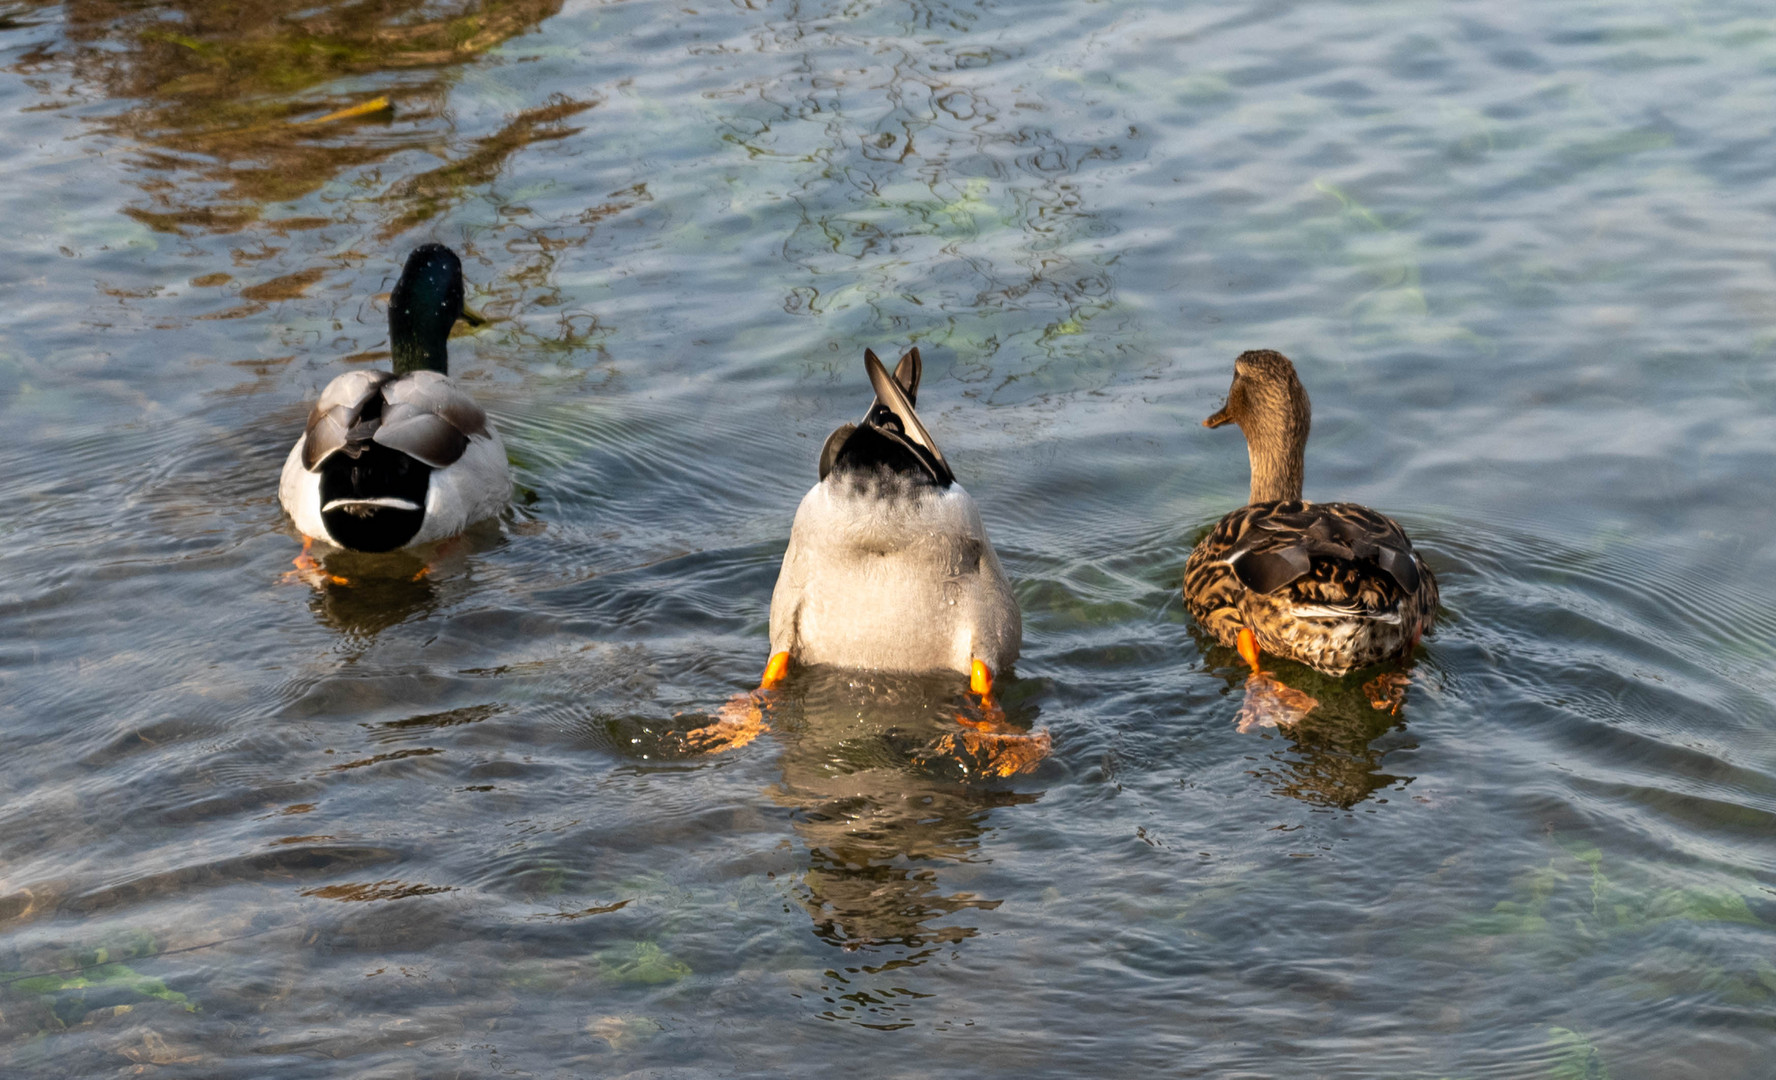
x=1570, y=912
x=64, y=988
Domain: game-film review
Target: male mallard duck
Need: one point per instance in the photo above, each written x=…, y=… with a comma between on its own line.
x=889, y=569
x=394, y=459
x=1335, y=586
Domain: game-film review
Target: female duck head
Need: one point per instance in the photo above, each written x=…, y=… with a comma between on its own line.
x=1268, y=403
x=424, y=305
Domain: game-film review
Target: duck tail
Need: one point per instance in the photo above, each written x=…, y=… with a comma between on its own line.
x=374, y=499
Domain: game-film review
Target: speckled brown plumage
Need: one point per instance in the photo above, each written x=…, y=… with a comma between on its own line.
x=1335, y=586
x=1344, y=612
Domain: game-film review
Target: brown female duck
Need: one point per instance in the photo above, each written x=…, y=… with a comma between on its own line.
x=1335, y=586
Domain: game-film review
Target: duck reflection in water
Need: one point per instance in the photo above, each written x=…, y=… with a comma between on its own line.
x=883, y=804
x=360, y=595
x=1334, y=760
x=1330, y=746
x=880, y=811
x=889, y=570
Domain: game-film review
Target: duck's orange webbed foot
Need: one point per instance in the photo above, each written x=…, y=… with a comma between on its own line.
x=1248, y=647
x=1272, y=703
x=990, y=745
x=742, y=718
x=992, y=753
x=980, y=680
x=1269, y=702
x=1387, y=691
x=309, y=569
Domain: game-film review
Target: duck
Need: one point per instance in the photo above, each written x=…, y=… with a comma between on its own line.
x=889, y=569
x=1335, y=586
x=396, y=459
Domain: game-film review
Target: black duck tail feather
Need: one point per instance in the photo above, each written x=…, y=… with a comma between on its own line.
x=362, y=526
x=890, y=437
x=904, y=422
x=373, y=497
x=869, y=449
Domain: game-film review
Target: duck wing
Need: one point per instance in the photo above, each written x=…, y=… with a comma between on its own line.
x=890, y=435
x=428, y=417
x=829, y=453
x=1326, y=558
x=337, y=419
x=907, y=374
x=903, y=423
x=423, y=415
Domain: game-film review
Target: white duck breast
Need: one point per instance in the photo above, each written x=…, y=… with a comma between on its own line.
x=887, y=575
x=889, y=567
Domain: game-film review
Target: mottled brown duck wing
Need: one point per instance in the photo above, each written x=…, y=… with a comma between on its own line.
x=427, y=416
x=1376, y=538
x=340, y=409
x=1338, y=556
x=1212, y=590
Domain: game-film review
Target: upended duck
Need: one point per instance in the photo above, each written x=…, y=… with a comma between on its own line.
x=395, y=459
x=889, y=569
x=1335, y=586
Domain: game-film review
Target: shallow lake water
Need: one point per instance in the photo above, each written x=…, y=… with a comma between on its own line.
x=1522, y=254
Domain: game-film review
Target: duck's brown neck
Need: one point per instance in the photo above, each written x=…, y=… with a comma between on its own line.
x=1276, y=468
x=1271, y=408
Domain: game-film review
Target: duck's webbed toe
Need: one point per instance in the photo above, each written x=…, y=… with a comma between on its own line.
x=978, y=751
x=989, y=744
x=1387, y=691
x=1272, y=703
x=739, y=721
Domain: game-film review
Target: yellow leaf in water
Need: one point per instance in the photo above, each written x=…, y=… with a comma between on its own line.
x=374, y=105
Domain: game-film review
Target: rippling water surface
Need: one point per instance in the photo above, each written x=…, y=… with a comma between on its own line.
x=1522, y=254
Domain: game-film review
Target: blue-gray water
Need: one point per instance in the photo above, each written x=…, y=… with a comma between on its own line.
x=1522, y=254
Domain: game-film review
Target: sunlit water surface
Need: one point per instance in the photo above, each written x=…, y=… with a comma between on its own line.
x=1522, y=253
